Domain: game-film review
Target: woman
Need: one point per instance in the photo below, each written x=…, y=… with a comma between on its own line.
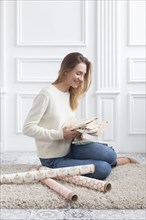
x=53, y=108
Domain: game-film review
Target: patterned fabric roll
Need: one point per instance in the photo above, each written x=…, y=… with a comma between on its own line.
x=57, y=187
x=31, y=176
x=96, y=184
x=62, y=190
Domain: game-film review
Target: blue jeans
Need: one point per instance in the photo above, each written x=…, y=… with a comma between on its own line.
x=101, y=155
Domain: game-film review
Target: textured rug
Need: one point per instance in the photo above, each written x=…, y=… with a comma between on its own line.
x=128, y=191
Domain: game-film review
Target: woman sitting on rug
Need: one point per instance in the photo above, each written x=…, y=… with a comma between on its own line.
x=52, y=108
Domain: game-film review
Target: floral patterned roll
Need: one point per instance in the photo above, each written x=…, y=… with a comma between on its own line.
x=36, y=175
x=96, y=184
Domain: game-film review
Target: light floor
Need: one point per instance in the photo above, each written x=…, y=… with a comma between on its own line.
x=64, y=214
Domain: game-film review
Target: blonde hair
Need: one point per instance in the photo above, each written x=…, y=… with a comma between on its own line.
x=68, y=63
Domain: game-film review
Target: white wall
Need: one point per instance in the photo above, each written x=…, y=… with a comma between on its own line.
x=36, y=35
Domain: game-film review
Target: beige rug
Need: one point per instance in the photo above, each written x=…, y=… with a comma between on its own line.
x=128, y=192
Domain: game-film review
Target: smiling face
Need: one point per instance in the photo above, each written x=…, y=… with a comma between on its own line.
x=76, y=76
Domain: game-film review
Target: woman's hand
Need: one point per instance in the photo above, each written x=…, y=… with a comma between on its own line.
x=69, y=132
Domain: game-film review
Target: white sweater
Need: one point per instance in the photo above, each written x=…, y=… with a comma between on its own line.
x=50, y=111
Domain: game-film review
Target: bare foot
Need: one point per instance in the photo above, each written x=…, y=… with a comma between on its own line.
x=125, y=160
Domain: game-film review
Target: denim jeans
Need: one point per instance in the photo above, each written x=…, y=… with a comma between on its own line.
x=99, y=154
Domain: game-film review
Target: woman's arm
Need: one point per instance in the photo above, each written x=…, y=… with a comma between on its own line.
x=31, y=127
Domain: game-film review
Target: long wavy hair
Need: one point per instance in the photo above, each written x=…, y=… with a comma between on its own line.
x=69, y=63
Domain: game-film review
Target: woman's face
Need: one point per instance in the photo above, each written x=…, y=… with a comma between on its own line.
x=76, y=75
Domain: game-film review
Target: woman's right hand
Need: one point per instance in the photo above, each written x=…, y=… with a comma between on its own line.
x=69, y=132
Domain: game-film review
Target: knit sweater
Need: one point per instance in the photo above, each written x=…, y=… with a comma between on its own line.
x=49, y=113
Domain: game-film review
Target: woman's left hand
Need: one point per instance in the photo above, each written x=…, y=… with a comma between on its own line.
x=69, y=132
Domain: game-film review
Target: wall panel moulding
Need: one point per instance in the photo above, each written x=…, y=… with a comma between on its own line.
x=107, y=110
x=23, y=103
x=136, y=70
x=137, y=120
x=137, y=25
x=107, y=77
x=34, y=70
x=51, y=23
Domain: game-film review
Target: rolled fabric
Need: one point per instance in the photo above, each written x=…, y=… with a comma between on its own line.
x=57, y=187
x=28, y=177
x=96, y=184
x=62, y=190
x=25, y=177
